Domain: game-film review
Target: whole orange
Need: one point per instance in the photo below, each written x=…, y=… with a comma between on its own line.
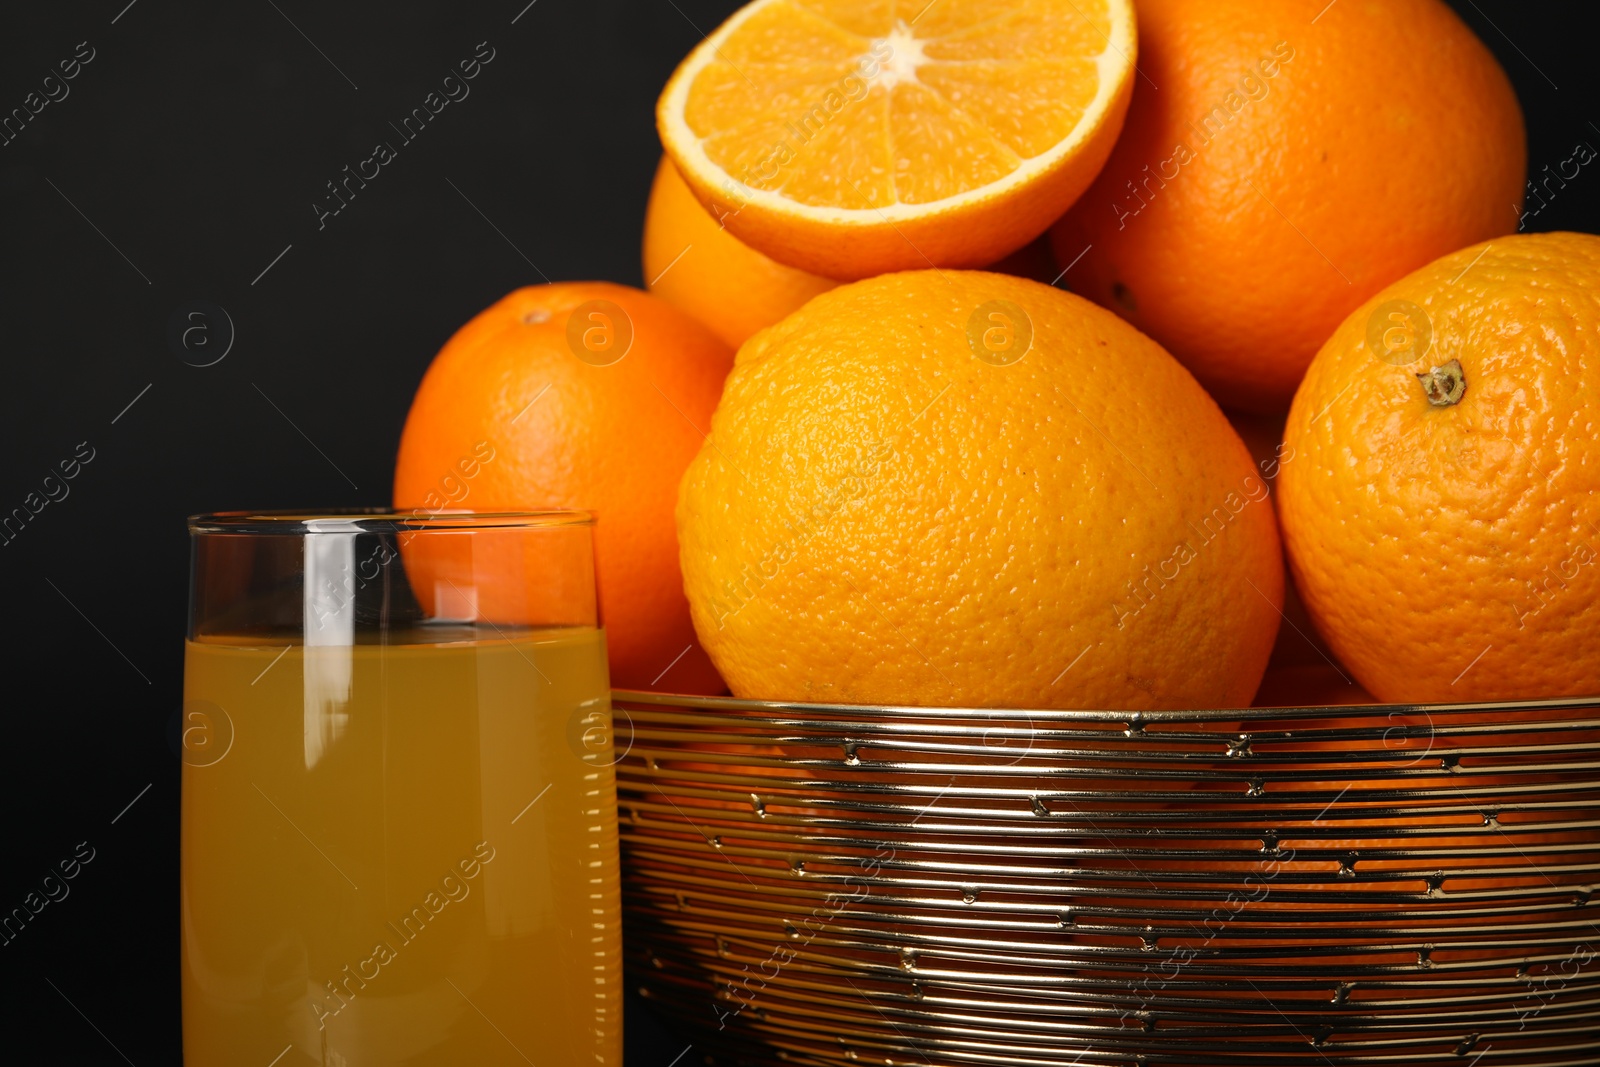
x=693, y=263
x=1445, y=529
x=579, y=395
x=1280, y=165
x=964, y=488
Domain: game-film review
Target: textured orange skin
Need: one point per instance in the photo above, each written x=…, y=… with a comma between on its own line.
x=613, y=440
x=1391, y=138
x=1414, y=530
x=720, y=280
x=842, y=544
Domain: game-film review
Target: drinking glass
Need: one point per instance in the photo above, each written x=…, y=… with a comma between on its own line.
x=399, y=836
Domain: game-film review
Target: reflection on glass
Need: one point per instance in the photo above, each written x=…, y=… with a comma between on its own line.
x=407, y=854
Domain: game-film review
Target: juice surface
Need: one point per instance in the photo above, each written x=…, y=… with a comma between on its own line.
x=400, y=854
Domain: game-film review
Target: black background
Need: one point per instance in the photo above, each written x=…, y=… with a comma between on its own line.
x=185, y=159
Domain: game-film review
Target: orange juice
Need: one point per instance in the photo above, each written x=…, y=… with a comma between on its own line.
x=400, y=853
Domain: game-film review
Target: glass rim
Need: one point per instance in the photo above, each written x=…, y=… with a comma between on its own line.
x=310, y=521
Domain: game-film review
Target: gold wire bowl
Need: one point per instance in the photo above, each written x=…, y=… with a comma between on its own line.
x=810, y=884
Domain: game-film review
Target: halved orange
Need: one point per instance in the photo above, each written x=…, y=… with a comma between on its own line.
x=853, y=137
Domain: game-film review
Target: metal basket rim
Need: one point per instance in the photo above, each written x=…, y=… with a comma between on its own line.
x=1193, y=715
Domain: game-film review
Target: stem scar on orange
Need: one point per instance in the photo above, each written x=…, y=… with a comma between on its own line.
x=1441, y=512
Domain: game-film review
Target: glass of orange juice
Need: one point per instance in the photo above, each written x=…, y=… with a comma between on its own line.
x=399, y=836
